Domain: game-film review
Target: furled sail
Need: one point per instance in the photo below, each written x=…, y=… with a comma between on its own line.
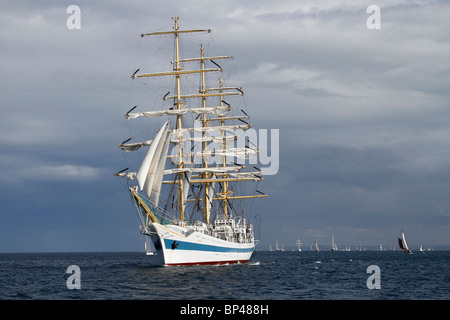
x=128, y=175
x=243, y=153
x=218, y=139
x=134, y=146
x=247, y=175
x=219, y=110
x=203, y=170
x=212, y=128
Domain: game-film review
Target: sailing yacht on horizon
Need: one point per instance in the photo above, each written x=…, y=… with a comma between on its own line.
x=316, y=246
x=190, y=201
x=299, y=245
x=333, y=244
x=403, y=244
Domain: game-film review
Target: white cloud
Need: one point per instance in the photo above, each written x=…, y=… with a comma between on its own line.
x=25, y=169
x=67, y=172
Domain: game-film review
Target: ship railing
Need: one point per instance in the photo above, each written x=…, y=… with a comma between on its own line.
x=164, y=217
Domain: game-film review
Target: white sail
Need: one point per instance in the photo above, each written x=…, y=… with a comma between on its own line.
x=333, y=245
x=211, y=191
x=405, y=244
x=186, y=183
x=219, y=110
x=141, y=175
x=157, y=183
x=152, y=171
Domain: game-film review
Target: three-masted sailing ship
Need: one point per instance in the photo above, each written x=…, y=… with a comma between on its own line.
x=188, y=204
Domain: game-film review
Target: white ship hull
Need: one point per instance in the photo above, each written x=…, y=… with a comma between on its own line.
x=178, y=245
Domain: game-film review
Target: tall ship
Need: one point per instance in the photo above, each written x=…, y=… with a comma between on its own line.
x=299, y=245
x=192, y=187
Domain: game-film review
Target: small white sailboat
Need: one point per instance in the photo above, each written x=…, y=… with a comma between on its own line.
x=277, y=247
x=148, y=247
x=333, y=244
x=403, y=244
x=316, y=246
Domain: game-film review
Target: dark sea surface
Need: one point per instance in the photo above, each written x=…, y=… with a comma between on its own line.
x=287, y=275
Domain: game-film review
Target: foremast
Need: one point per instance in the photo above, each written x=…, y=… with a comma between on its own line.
x=177, y=101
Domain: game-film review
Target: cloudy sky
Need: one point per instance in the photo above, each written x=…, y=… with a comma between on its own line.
x=364, y=117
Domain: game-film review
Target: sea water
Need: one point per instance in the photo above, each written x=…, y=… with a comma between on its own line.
x=288, y=275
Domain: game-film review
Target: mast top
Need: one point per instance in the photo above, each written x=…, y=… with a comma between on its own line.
x=175, y=30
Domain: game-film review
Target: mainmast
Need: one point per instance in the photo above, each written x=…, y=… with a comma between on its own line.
x=205, y=144
x=178, y=104
x=224, y=146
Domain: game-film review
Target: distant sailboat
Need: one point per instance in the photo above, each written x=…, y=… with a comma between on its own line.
x=299, y=245
x=403, y=244
x=277, y=247
x=333, y=244
x=148, y=247
x=317, y=247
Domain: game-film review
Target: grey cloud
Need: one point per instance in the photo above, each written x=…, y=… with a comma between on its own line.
x=363, y=114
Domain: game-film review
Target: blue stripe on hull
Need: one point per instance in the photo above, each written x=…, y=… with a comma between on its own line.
x=182, y=245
